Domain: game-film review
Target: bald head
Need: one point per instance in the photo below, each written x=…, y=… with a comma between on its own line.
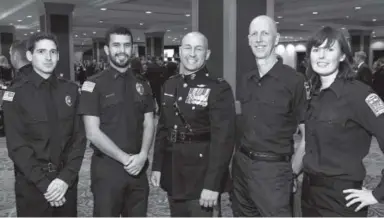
x=196, y=36
x=263, y=20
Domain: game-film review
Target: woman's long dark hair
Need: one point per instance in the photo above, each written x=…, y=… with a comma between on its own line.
x=331, y=35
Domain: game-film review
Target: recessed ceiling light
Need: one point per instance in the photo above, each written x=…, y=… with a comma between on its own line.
x=84, y=34
x=11, y=24
x=32, y=32
x=19, y=20
x=100, y=21
x=343, y=28
x=315, y=12
x=374, y=19
x=374, y=36
x=141, y=24
x=301, y=24
x=103, y=9
x=301, y=37
x=148, y=12
x=38, y=31
x=347, y=17
x=138, y=38
x=357, y=8
x=29, y=16
x=322, y=26
x=373, y=32
x=25, y=34
x=277, y=22
x=168, y=30
x=94, y=32
x=76, y=36
x=279, y=17
x=185, y=28
x=169, y=37
x=187, y=15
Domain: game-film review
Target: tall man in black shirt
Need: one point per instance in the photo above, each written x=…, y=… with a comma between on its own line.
x=117, y=107
x=45, y=138
x=272, y=98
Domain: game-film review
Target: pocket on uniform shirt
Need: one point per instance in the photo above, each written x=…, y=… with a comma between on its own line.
x=37, y=125
x=110, y=110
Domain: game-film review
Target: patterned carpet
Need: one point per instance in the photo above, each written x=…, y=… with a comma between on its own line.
x=158, y=205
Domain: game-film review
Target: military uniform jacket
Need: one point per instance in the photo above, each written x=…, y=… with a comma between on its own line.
x=28, y=130
x=207, y=105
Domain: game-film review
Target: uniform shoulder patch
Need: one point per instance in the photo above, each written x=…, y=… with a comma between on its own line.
x=375, y=103
x=8, y=96
x=88, y=86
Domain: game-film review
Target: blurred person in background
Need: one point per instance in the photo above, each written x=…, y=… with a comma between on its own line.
x=5, y=69
x=378, y=77
x=19, y=59
x=364, y=73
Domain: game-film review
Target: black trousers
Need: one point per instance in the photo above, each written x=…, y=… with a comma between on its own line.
x=261, y=188
x=188, y=208
x=117, y=193
x=324, y=197
x=30, y=202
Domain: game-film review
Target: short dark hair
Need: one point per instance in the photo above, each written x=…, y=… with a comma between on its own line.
x=20, y=47
x=32, y=40
x=331, y=35
x=118, y=30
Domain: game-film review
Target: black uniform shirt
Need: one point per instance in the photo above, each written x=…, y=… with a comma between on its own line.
x=272, y=108
x=29, y=129
x=340, y=122
x=120, y=100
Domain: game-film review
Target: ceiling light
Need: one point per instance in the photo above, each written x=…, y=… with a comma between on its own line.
x=322, y=26
x=301, y=37
x=38, y=31
x=185, y=28
x=94, y=32
x=141, y=24
x=169, y=37
x=373, y=32
x=19, y=20
x=374, y=36
x=138, y=38
x=343, y=28
x=374, y=19
x=32, y=32
x=84, y=34
x=279, y=17
x=347, y=17
x=100, y=21
x=168, y=30
x=277, y=22
x=148, y=12
x=357, y=8
x=301, y=24
x=29, y=16
x=25, y=34
x=11, y=24
x=76, y=36
x=187, y=15
x=103, y=9
x=315, y=12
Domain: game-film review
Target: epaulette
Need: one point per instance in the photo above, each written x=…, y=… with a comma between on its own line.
x=97, y=75
x=175, y=76
x=68, y=81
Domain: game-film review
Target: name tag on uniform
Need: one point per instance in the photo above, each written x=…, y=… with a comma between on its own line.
x=88, y=86
x=8, y=96
x=198, y=96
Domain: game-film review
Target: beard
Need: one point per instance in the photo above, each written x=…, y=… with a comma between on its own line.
x=115, y=60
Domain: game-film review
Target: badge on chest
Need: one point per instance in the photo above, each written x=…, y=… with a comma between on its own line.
x=198, y=96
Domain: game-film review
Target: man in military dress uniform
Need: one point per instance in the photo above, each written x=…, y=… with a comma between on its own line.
x=196, y=133
x=45, y=138
x=117, y=107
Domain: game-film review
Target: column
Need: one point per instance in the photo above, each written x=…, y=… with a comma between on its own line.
x=98, y=48
x=360, y=40
x=154, y=43
x=7, y=35
x=225, y=23
x=56, y=18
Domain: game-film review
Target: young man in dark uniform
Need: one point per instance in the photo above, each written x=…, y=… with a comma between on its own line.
x=195, y=135
x=45, y=137
x=273, y=101
x=117, y=107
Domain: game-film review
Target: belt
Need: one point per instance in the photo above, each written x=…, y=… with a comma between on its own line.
x=264, y=156
x=331, y=182
x=176, y=136
x=50, y=167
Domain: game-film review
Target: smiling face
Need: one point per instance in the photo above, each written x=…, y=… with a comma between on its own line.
x=262, y=37
x=194, y=52
x=326, y=60
x=119, y=50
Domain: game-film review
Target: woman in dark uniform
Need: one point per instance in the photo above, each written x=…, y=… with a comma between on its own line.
x=341, y=118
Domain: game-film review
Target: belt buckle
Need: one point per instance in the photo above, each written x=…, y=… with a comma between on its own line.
x=173, y=137
x=182, y=136
x=51, y=168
